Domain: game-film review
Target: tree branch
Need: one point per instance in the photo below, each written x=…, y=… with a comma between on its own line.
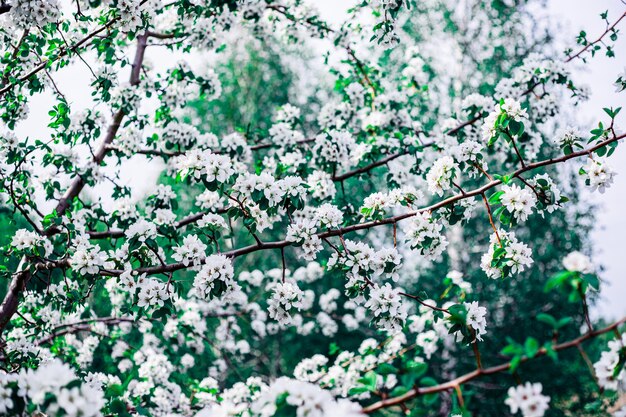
x=484, y=371
x=389, y=220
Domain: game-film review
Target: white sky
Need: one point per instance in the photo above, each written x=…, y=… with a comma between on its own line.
x=570, y=16
x=609, y=233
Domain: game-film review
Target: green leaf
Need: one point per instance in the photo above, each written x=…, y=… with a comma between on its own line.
x=386, y=369
x=358, y=390
x=564, y=321
x=417, y=369
x=369, y=380
x=515, y=362
x=531, y=347
x=593, y=280
x=548, y=319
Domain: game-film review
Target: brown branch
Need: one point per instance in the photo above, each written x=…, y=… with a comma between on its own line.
x=18, y=284
x=484, y=371
x=609, y=29
x=82, y=325
x=78, y=184
x=64, y=51
x=11, y=300
x=389, y=220
x=493, y=226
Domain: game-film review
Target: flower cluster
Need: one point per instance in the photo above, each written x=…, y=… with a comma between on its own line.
x=25, y=13
x=286, y=298
x=152, y=293
x=376, y=204
x=212, y=167
x=506, y=256
x=307, y=399
x=441, y=175
x=476, y=318
x=25, y=240
x=358, y=258
x=599, y=175
x=215, y=278
x=507, y=108
x=609, y=369
x=528, y=400
x=53, y=388
x=385, y=303
x=87, y=258
x=425, y=234
x=191, y=252
x=518, y=201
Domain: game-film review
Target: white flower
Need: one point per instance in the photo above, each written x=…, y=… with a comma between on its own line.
x=301, y=230
x=334, y=147
x=476, y=100
x=516, y=256
x=376, y=202
x=191, y=252
x=385, y=303
x=50, y=380
x=528, y=399
x=328, y=300
x=441, y=175
x=308, y=399
x=218, y=167
x=26, y=240
x=518, y=201
x=328, y=216
x=357, y=256
x=519, y=256
x=28, y=13
x=212, y=221
x=126, y=209
x=286, y=298
x=513, y=109
x=600, y=176
x=620, y=85
x=489, y=129
x=549, y=192
x=210, y=200
x=425, y=234
x=605, y=369
x=469, y=152
x=215, y=278
x=288, y=113
x=310, y=247
x=577, y=262
x=152, y=292
x=310, y=369
x=476, y=318
x=141, y=230
x=321, y=184
x=164, y=217
x=386, y=261
x=127, y=281
x=282, y=134
x=6, y=403
x=567, y=136
x=215, y=167
x=88, y=259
